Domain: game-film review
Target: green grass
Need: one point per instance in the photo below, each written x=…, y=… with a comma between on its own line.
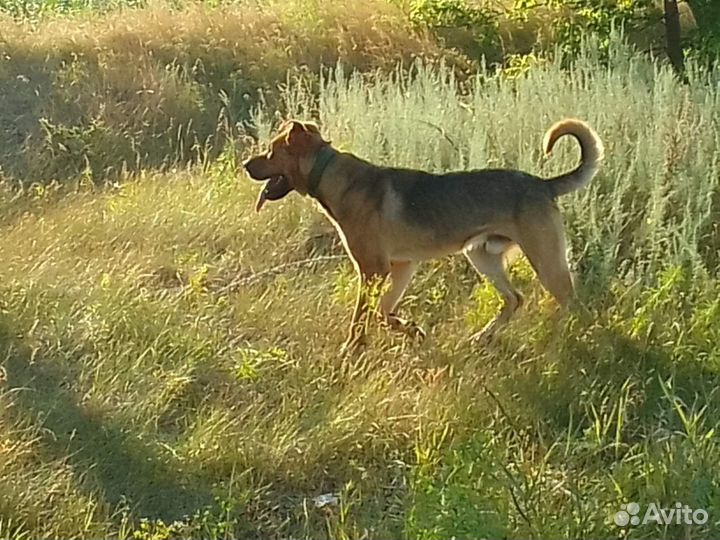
x=147, y=394
x=36, y=9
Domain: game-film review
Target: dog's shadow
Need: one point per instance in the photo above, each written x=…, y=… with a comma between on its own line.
x=107, y=460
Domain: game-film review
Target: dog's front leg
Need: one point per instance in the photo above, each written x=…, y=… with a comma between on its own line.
x=371, y=275
x=401, y=273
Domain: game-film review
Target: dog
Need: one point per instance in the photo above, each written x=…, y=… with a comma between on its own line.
x=390, y=219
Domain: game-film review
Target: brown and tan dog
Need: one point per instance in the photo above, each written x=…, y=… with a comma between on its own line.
x=389, y=219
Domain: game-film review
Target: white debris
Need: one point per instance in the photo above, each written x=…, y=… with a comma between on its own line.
x=326, y=499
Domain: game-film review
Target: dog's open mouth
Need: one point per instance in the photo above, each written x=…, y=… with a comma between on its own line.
x=275, y=188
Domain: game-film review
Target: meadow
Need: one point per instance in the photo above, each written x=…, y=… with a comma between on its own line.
x=168, y=371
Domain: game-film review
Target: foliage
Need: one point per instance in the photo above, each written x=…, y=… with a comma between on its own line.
x=597, y=16
x=38, y=9
x=705, y=41
x=451, y=18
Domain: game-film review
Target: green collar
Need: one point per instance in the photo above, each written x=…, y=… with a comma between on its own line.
x=324, y=157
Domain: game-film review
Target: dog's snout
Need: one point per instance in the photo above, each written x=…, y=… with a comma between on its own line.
x=251, y=166
x=257, y=168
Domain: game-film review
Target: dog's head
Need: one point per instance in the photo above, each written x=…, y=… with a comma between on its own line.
x=286, y=164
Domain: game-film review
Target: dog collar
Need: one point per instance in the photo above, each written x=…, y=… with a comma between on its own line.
x=325, y=156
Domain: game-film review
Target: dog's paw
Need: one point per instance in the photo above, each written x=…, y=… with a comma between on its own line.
x=353, y=346
x=406, y=327
x=484, y=335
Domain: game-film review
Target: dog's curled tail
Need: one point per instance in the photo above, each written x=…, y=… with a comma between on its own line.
x=592, y=152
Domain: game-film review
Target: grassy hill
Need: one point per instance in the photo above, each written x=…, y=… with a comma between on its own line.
x=158, y=382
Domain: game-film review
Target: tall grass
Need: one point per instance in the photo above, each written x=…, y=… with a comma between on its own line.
x=92, y=95
x=149, y=394
x=654, y=205
x=94, y=88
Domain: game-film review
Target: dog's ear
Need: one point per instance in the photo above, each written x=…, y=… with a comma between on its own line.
x=300, y=136
x=295, y=127
x=312, y=127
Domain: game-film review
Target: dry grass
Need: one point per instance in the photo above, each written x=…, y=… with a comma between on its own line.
x=135, y=389
x=92, y=94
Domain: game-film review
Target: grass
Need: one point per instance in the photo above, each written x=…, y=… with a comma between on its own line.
x=96, y=94
x=98, y=88
x=147, y=394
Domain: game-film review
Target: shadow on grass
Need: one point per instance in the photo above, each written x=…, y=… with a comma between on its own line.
x=107, y=458
x=47, y=129
x=595, y=365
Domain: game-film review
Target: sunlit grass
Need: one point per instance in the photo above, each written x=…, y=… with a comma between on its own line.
x=98, y=93
x=141, y=383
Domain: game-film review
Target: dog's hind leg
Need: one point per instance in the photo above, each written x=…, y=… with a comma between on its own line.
x=400, y=275
x=490, y=265
x=543, y=242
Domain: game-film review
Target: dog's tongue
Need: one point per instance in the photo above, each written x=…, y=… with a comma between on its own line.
x=261, y=200
x=275, y=188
